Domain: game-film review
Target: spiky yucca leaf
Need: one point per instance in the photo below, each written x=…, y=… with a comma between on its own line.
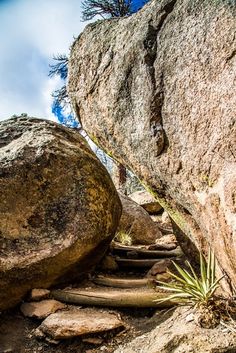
x=188, y=288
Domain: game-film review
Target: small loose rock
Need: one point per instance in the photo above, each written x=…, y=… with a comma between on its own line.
x=78, y=322
x=41, y=310
x=39, y=294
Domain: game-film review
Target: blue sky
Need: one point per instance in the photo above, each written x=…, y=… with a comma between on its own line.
x=31, y=33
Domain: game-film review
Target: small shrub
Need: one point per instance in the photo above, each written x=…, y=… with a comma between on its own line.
x=188, y=288
x=123, y=237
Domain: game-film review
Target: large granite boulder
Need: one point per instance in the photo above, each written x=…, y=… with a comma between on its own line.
x=136, y=223
x=157, y=91
x=59, y=209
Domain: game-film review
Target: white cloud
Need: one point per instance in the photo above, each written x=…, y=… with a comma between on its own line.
x=50, y=85
x=31, y=32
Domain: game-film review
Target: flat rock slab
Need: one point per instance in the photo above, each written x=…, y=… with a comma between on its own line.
x=41, y=310
x=155, y=250
x=114, y=297
x=78, y=322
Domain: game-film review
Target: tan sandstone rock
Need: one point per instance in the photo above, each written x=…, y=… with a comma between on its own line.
x=78, y=322
x=146, y=200
x=59, y=209
x=137, y=223
x=42, y=309
x=157, y=91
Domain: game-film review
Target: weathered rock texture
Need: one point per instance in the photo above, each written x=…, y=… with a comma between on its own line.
x=157, y=91
x=146, y=200
x=78, y=322
x=180, y=334
x=59, y=209
x=137, y=223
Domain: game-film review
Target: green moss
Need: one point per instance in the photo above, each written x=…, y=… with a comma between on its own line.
x=110, y=154
x=94, y=139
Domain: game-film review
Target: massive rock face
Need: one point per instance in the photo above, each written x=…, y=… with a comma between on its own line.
x=157, y=91
x=59, y=209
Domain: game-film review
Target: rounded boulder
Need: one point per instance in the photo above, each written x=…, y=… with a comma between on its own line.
x=59, y=209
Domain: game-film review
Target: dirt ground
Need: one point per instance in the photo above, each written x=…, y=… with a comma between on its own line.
x=16, y=333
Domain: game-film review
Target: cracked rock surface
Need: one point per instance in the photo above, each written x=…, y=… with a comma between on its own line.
x=157, y=91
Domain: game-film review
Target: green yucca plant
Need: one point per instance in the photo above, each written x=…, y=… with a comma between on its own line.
x=188, y=288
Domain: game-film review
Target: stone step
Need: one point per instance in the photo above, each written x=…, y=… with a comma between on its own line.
x=146, y=252
x=138, y=263
x=110, y=297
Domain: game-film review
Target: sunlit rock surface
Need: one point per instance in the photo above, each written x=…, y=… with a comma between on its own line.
x=59, y=209
x=157, y=91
